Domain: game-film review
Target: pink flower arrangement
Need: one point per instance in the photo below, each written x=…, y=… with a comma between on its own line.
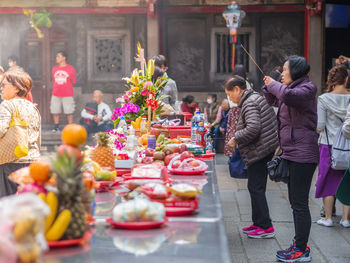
x=117, y=143
x=126, y=108
x=147, y=84
x=144, y=92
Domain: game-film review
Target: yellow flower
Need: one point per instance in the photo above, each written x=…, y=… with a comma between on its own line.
x=151, y=67
x=134, y=89
x=135, y=78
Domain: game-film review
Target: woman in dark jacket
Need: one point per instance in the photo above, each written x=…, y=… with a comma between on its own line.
x=295, y=98
x=256, y=137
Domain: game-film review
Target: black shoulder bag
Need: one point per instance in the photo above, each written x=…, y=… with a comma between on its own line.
x=277, y=169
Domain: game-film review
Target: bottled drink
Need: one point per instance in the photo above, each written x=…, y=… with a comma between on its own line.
x=201, y=133
x=122, y=124
x=151, y=142
x=143, y=126
x=131, y=139
x=194, y=126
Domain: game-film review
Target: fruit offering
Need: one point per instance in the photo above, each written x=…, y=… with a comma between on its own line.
x=186, y=163
x=103, y=153
x=104, y=175
x=184, y=191
x=67, y=218
x=150, y=171
x=139, y=210
x=26, y=215
x=154, y=190
x=74, y=135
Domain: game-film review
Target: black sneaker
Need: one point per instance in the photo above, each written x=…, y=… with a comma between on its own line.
x=55, y=130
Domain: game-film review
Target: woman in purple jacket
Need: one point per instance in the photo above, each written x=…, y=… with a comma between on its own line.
x=295, y=98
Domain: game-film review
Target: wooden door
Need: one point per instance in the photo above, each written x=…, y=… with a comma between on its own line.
x=38, y=56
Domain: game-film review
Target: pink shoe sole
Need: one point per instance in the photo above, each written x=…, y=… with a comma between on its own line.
x=262, y=236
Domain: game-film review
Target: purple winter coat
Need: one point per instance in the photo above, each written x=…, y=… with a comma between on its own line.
x=297, y=118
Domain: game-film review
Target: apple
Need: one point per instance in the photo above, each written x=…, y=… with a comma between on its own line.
x=183, y=148
x=194, y=163
x=169, y=157
x=147, y=160
x=70, y=150
x=185, y=155
x=149, y=152
x=176, y=164
x=177, y=149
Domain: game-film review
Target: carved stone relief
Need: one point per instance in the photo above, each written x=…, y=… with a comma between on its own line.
x=187, y=51
x=108, y=54
x=280, y=39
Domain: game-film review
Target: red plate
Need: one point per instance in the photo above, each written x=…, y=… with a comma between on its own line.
x=207, y=155
x=179, y=211
x=129, y=177
x=136, y=225
x=69, y=243
x=180, y=172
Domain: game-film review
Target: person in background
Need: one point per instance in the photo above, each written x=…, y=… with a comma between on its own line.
x=342, y=60
x=257, y=139
x=296, y=99
x=239, y=70
x=101, y=121
x=63, y=76
x=13, y=65
x=276, y=73
x=212, y=111
x=189, y=104
x=170, y=88
x=14, y=88
x=221, y=129
x=331, y=111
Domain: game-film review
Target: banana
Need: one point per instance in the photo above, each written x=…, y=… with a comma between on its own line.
x=42, y=196
x=52, y=202
x=21, y=228
x=60, y=226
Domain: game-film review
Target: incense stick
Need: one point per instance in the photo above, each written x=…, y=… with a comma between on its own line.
x=252, y=59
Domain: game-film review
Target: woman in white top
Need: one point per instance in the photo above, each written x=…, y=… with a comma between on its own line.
x=331, y=110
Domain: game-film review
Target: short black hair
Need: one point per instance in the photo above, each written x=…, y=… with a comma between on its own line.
x=188, y=99
x=214, y=96
x=63, y=53
x=298, y=67
x=160, y=60
x=158, y=73
x=235, y=81
x=239, y=70
x=275, y=75
x=13, y=58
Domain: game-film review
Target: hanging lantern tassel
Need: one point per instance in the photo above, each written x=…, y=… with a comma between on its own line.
x=233, y=38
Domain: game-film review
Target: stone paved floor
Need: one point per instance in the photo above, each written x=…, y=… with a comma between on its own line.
x=327, y=244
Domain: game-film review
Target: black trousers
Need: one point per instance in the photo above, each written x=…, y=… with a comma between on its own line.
x=257, y=179
x=298, y=192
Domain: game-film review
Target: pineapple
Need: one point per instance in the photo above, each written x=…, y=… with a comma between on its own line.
x=103, y=154
x=70, y=190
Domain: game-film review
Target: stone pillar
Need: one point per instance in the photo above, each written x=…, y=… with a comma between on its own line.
x=152, y=37
x=316, y=51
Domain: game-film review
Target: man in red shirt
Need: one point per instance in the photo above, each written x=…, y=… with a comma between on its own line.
x=63, y=76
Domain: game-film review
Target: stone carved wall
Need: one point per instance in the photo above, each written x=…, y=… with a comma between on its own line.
x=280, y=38
x=187, y=52
x=108, y=54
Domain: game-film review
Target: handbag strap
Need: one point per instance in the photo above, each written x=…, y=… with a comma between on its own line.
x=329, y=147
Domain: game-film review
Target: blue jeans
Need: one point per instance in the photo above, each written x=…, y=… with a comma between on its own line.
x=216, y=133
x=99, y=128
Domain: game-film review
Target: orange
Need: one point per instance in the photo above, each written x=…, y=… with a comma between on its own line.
x=144, y=139
x=74, y=135
x=40, y=171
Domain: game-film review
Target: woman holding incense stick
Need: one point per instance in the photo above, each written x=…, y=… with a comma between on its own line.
x=295, y=98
